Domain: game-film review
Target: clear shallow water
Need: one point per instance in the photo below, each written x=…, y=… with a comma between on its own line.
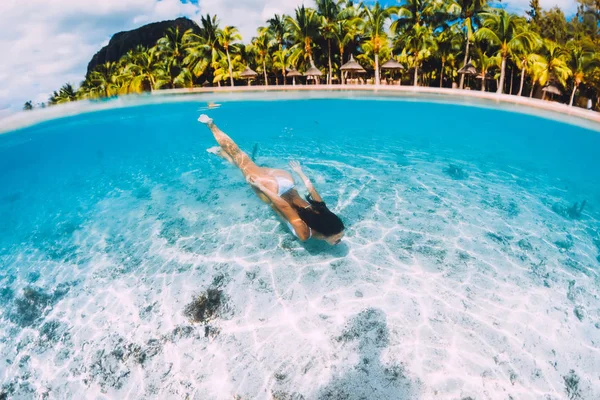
x=465, y=270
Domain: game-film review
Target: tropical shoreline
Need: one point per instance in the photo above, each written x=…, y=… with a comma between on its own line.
x=448, y=44
x=578, y=116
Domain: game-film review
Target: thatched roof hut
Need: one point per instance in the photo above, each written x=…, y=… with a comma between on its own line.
x=392, y=64
x=352, y=66
x=248, y=74
x=468, y=69
x=293, y=73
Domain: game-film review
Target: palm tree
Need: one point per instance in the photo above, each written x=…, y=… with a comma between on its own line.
x=171, y=50
x=103, y=80
x=261, y=45
x=87, y=90
x=483, y=63
x=184, y=79
x=582, y=60
x=347, y=27
x=64, y=95
x=142, y=70
x=281, y=61
x=28, y=106
x=227, y=38
x=304, y=29
x=328, y=10
x=418, y=41
x=467, y=13
x=413, y=12
x=228, y=68
x=375, y=19
x=527, y=61
x=449, y=42
x=171, y=46
x=278, y=29
x=551, y=65
x=508, y=33
x=202, y=49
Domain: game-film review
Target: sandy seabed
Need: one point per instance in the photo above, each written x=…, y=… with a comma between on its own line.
x=456, y=280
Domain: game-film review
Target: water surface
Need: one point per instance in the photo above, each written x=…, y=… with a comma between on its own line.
x=466, y=270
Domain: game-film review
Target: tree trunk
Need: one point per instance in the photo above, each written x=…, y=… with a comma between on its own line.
x=522, y=81
x=573, y=94
x=341, y=62
x=282, y=66
x=442, y=73
x=502, y=72
x=462, y=76
x=483, y=81
x=376, y=69
x=532, y=87
x=416, y=77
x=265, y=72
x=230, y=69
x=330, y=76
x=511, y=81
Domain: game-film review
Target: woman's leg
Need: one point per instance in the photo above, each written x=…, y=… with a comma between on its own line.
x=236, y=155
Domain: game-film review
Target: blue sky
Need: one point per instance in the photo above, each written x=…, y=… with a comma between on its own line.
x=49, y=42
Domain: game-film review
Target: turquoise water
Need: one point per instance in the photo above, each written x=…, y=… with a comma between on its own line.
x=466, y=269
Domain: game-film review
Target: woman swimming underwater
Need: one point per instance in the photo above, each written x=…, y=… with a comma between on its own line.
x=306, y=218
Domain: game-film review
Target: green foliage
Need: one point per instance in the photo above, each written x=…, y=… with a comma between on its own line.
x=304, y=30
x=431, y=38
x=64, y=95
x=553, y=25
x=534, y=11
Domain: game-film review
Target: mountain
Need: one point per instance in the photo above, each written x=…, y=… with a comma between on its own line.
x=146, y=36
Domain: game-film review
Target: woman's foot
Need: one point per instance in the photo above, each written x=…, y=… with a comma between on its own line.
x=218, y=151
x=205, y=119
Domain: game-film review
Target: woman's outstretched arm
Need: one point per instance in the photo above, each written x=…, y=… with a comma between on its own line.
x=295, y=166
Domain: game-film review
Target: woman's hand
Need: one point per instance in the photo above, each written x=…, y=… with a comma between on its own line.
x=295, y=166
x=251, y=179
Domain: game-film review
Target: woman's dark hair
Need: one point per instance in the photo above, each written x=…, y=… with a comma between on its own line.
x=319, y=218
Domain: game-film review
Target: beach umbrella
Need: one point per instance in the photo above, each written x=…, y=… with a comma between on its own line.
x=248, y=74
x=293, y=72
x=392, y=65
x=313, y=72
x=352, y=67
x=468, y=69
x=553, y=89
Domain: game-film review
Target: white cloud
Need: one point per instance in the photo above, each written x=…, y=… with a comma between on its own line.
x=569, y=7
x=248, y=15
x=46, y=43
